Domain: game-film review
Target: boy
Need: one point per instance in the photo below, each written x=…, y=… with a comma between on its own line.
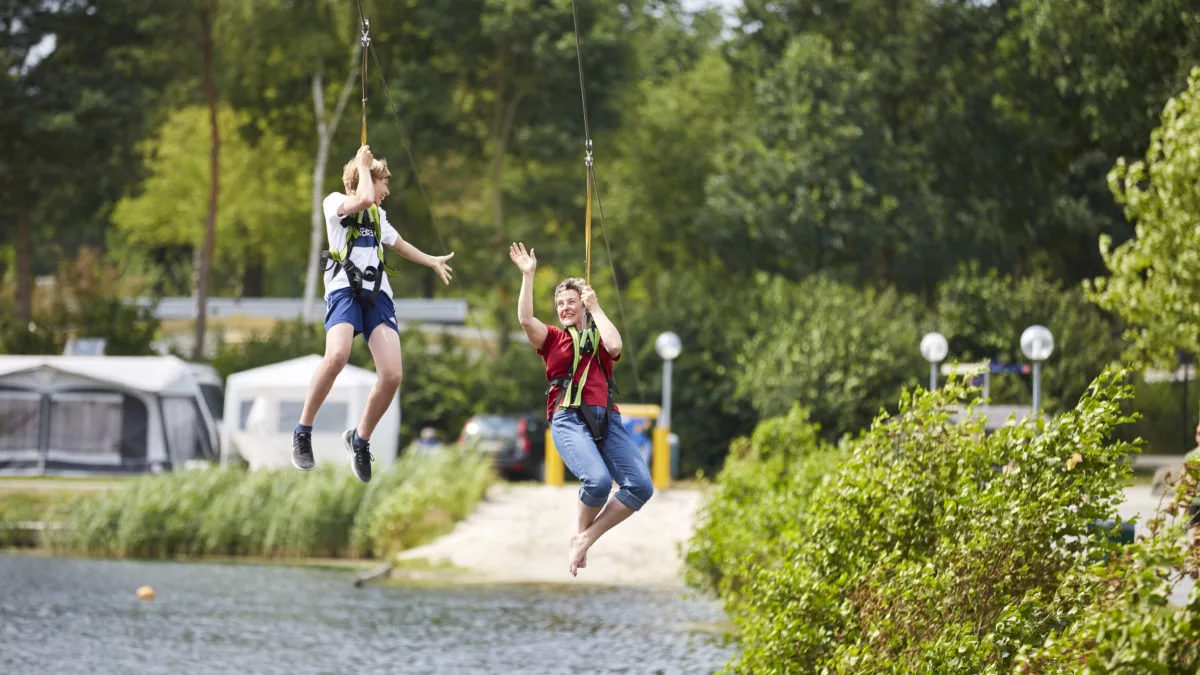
x=358, y=299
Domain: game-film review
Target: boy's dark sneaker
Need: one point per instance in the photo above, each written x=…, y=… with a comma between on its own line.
x=302, y=454
x=361, y=456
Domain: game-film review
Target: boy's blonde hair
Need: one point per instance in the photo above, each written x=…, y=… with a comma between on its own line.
x=379, y=171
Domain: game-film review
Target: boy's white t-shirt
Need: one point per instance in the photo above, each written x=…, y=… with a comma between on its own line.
x=361, y=256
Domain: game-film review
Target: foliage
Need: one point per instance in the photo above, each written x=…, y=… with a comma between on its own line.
x=442, y=489
x=873, y=142
x=766, y=482
x=1115, y=61
x=817, y=184
x=1155, y=278
x=445, y=383
x=260, y=190
x=929, y=547
x=88, y=299
x=842, y=353
x=1166, y=416
x=232, y=511
x=1132, y=622
x=983, y=316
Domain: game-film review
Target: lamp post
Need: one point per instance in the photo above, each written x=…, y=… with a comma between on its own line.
x=668, y=347
x=934, y=349
x=1037, y=344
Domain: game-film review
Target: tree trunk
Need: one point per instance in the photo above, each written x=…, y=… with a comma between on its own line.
x=23, y=247
x=207, y=17
x=253, y=277
x=501, y=129
x=325, y=130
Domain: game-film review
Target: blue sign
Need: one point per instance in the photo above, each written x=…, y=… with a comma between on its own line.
x=1001, y=367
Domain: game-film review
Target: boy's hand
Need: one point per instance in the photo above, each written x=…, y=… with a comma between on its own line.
x=526, y=262
x=364, y=156
x=440, y=265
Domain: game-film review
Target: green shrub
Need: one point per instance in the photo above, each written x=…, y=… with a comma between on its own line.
x=761, y=491
x=88, y=299
x=929, y=548
x=1128, y=624
x=1165, y=426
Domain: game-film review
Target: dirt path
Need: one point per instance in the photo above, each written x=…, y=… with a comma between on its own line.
x=35, y=484
x=520, y=533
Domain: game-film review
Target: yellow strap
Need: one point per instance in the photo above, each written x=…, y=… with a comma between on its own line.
x=364, y=97
x=587, y=256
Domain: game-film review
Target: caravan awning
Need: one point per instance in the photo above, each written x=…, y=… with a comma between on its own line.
x=157, y=374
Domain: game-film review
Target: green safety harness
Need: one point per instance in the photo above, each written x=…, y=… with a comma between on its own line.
x=340, y=260
x=571, y=394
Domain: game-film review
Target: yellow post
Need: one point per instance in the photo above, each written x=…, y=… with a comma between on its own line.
x=660, y=460
x=553, y=468
x=660, y=469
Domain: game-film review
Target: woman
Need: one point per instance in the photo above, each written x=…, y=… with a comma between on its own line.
x=586, y=428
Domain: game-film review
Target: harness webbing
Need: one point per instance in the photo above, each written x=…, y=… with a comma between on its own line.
x=581, y=343
x=341, y=259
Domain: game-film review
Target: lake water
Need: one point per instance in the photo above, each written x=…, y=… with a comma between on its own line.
x=68, y=615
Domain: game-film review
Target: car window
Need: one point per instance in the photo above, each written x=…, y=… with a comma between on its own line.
x=492, y=427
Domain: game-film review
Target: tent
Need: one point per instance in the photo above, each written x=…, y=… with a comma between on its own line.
x=262, y=407
x=90, y=415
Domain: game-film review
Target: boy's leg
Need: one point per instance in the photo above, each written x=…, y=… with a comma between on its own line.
x=379, y=324
x=343, y=320
x=338, y=340
x=385, y=352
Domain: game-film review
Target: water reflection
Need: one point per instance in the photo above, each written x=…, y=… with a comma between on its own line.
x=61, y=615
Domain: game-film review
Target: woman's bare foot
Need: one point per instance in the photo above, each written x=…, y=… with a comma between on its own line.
x=579, y=548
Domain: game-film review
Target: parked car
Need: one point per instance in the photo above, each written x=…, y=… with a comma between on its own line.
x=517, y=443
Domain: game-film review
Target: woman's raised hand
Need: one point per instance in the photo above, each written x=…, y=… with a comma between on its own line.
x=525, y=261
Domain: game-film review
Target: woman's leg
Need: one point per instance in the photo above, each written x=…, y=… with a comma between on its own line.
x=627, y=465
x=578, y=450
x=574, y=443
x=624, y=462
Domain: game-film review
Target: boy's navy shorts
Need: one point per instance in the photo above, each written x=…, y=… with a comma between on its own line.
x=342, y=307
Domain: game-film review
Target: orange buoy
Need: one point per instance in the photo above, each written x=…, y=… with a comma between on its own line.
x=145, y=593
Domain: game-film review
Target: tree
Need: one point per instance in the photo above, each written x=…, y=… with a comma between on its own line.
x=820, y=184
x=79, y=86
x=184, y=34
x=840, y=352
x=1115, y=61
x=257, y=195
x=207, y=16
x=654, y=188
x=1155, y=277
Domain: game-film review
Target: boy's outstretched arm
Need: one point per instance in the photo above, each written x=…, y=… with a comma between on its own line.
x=438, y=263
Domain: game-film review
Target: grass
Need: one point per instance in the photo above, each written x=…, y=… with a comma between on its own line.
x=226, y=512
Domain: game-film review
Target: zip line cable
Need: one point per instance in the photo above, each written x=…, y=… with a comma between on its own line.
x=369, y=46
x=593, y=185
x=592, y=182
